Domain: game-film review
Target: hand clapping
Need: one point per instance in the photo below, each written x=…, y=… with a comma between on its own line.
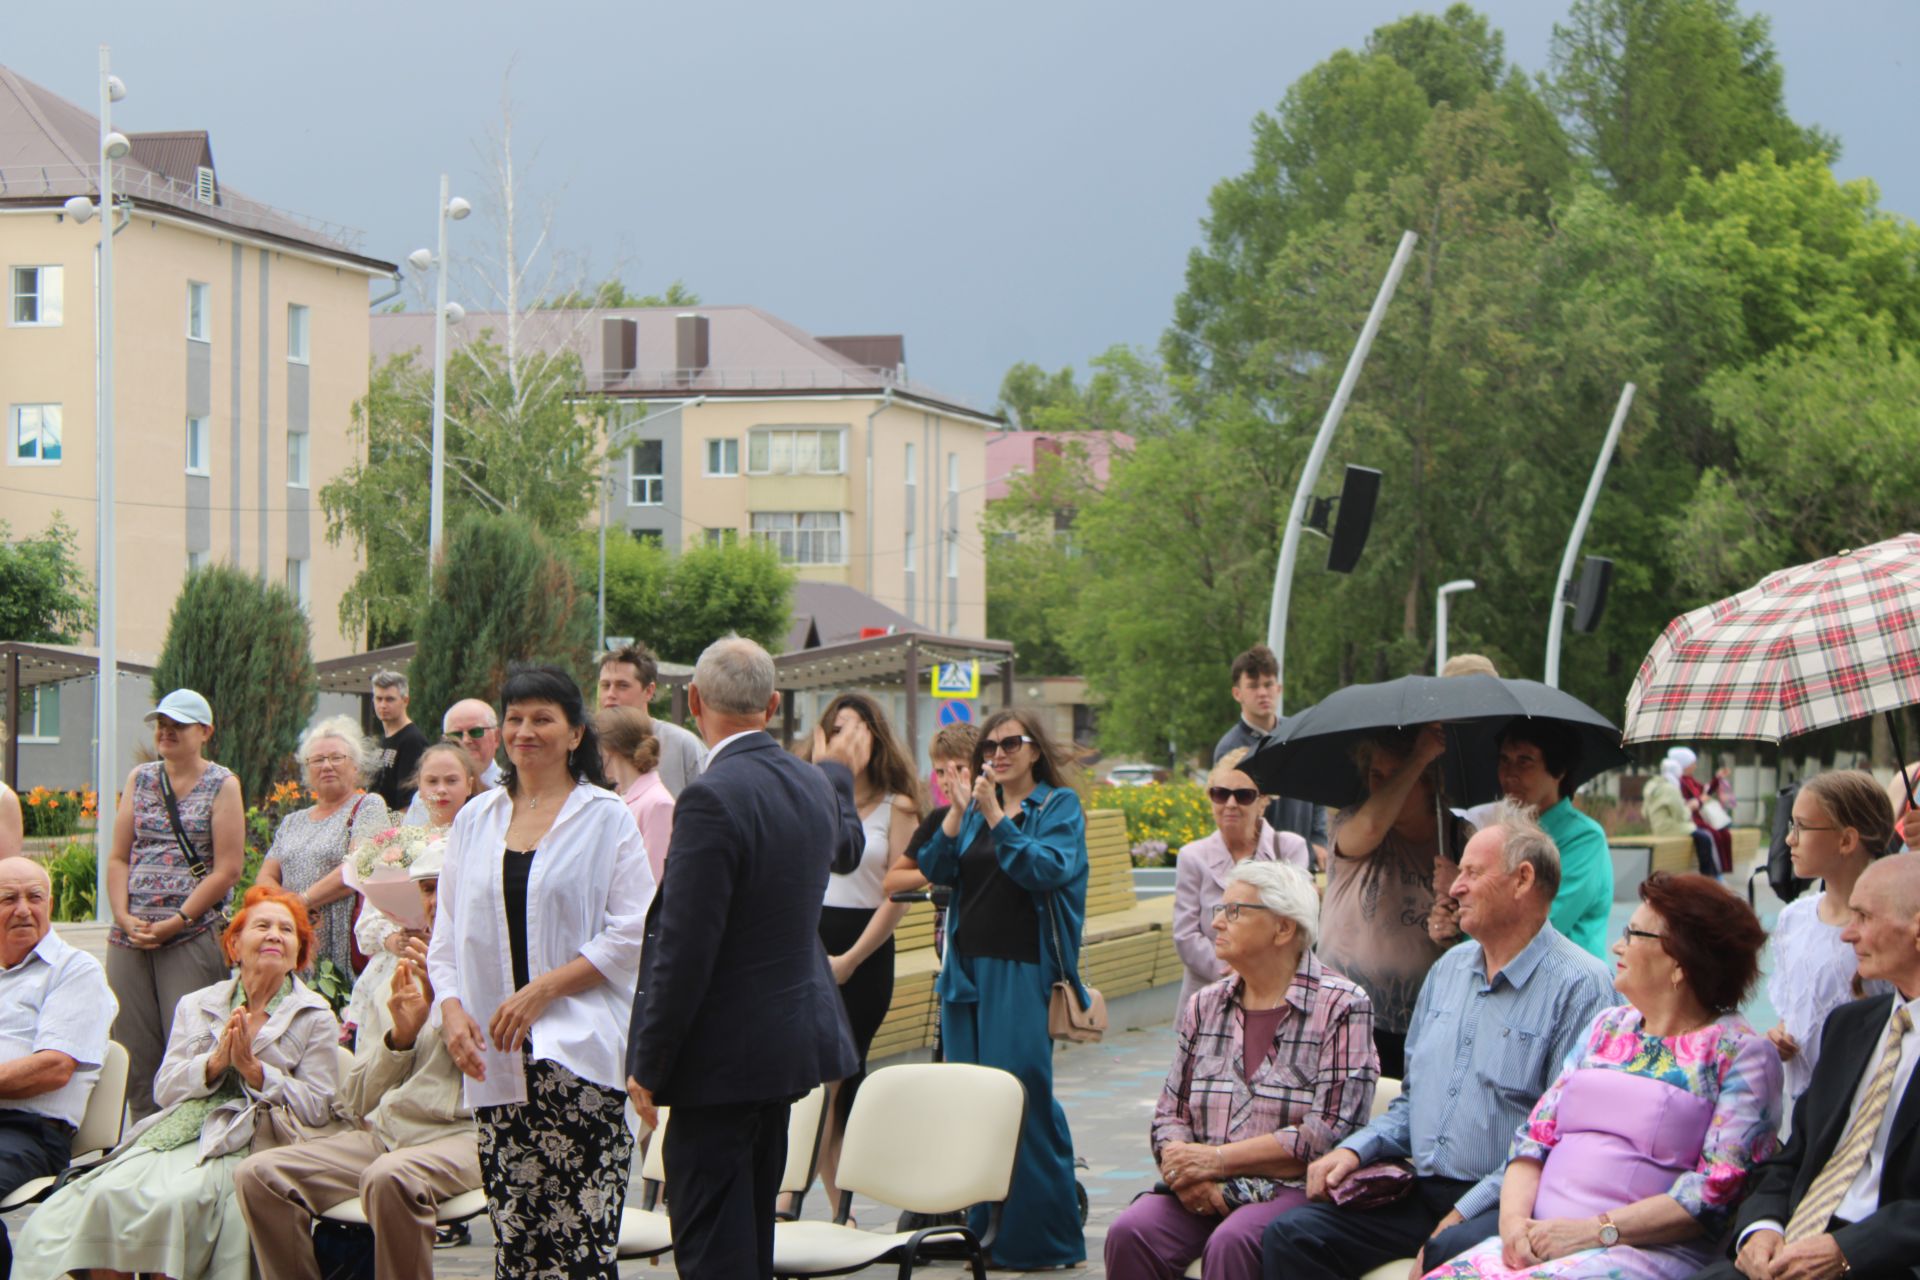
x=986, y=798
x=410, y=1003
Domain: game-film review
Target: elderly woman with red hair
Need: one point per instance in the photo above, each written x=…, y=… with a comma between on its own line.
x=252, y=1058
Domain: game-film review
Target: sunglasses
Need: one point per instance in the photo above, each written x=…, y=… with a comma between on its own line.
x=993, y=746
x=1243, y=796
x=474, y=734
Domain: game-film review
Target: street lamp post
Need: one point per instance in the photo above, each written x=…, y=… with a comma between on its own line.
x=1557, y=615
x=1440, y=620
x=113, y=146
x=451, y=209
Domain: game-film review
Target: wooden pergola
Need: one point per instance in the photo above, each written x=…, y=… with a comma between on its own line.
x=23, y=665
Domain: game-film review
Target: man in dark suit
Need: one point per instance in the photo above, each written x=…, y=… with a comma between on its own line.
x=737, y=1014
x=1842, y=1198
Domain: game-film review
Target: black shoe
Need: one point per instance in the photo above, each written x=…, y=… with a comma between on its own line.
x=453, y=1236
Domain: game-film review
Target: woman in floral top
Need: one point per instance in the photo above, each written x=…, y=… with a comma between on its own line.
x=1631, y=1165
x=1272, y=1067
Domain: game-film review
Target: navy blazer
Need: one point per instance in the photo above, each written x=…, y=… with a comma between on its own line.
x=1887, y=1241
x=736, y=1002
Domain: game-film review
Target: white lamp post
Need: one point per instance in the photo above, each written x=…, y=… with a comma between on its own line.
x=1557, y=615
x=452, y=209
x=113, y=146
x=1440, y=620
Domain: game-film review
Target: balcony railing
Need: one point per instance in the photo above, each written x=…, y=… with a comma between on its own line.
x=60, y=182
x=816, y=378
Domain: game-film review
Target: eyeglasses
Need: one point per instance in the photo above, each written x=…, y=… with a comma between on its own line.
x=1628, y=934
x=474, y=734
x=994, y=746
x=1240, y=795
x=1232, y=910
x=1796, y=827
x=317, y=762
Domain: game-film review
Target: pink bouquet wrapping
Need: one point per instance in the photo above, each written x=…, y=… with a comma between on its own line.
x=379, y=870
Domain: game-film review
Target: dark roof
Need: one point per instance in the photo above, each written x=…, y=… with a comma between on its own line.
x=830, y=612
x=50, y=152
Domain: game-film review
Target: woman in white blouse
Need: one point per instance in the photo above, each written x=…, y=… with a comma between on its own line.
x=552, y=861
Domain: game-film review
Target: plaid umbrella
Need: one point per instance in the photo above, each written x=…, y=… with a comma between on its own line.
x=1809, y=647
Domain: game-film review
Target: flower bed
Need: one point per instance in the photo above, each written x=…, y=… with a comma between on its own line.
x=1160, y=817
x=46, y=812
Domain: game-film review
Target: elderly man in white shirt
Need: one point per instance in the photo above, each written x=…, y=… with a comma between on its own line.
x=55, y=1008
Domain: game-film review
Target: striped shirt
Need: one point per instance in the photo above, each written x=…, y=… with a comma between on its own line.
x=1314, y=1089
x=1480, y=1054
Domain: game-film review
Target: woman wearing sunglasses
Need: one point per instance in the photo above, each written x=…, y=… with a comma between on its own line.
x=1014, y=850
x=1241, y=833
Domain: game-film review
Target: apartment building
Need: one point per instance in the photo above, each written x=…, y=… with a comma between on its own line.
x=240, y=347
x=728, y=422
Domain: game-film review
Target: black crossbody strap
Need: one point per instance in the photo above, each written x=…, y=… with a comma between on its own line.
x=195, y=863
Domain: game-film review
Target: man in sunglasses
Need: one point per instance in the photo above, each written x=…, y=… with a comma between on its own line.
x=471, y=723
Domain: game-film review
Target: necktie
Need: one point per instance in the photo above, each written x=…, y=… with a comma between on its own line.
x=1848, y=1158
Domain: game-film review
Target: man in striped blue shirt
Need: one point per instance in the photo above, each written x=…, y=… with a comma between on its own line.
x=1496, y=1017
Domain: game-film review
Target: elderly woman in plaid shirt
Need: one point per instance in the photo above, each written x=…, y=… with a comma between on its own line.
x=1271, y=1068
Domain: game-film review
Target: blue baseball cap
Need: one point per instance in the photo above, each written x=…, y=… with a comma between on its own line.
x=183, y=706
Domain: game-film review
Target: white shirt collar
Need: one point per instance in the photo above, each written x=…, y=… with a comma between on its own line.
x=728, y=741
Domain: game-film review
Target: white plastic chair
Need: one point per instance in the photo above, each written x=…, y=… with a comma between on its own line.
x=929, y=1138
x=99, y=1131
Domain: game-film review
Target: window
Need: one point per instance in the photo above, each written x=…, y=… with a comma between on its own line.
x=39, y=714
x=196, y=561
x=199, y=311
x=647, y=537
x=722, y=537
x=204, y=189
x=802, y=537
x=723, y=457
x=648, y=474
x=297, y=459
x=953, y=475
x=785, y=451
x=36, y=295
x=913, y=467
x=298, y=580
x=34, y=435
x=297, y=321
x=199, y=445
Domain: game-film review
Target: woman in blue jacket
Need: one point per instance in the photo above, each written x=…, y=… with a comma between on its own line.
x=1013, y=848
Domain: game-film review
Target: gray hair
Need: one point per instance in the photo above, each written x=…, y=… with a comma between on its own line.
x=346, y=731
x=390, y=680
x=1285, y=890
x=1527, y=841
x=735, y=676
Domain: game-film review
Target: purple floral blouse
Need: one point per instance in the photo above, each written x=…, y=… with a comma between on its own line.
x=158, y=880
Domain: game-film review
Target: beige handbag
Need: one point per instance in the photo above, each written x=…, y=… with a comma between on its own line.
x=1067, y=1018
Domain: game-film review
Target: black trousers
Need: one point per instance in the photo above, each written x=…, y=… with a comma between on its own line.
x=31, y=1147
x=1323, y=1241
x=723, y=1175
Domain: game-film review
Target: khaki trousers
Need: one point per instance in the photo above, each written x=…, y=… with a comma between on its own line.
x=282, y=1190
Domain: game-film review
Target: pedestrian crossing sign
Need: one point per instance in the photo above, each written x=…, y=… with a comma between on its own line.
x=956, y=679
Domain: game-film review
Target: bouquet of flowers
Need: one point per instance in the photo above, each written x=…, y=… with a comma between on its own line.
x=378, y=869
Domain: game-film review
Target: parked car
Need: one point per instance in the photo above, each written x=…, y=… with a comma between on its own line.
x=1134, y=775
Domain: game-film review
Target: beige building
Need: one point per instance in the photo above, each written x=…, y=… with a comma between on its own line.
x=730, y=423
x=241, y=340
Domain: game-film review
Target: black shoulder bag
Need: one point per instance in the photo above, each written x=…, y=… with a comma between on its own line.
x=195, y=863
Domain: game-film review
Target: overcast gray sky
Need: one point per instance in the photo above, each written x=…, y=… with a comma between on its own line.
x=998, y=181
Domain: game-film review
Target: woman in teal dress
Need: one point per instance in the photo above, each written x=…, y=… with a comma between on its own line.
x=251, y=1060
x=1013, y=847
x=1632, y=1163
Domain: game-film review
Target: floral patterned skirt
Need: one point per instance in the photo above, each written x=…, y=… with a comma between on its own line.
x=555, y=1168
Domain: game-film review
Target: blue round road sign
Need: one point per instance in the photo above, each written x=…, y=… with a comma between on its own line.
x=955, y=711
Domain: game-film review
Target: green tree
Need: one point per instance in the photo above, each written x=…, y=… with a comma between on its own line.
x=502, y=594
x=612, y=294
x=44, y=596
x=516, y=443
x=1124, y=392
x=679, y=604
x=1036, y=568
x=245, y=645
x=1654, y=89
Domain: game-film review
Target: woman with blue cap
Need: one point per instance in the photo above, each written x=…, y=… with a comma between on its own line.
x=179, y=844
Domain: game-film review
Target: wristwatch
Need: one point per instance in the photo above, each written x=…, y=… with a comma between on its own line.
x=182, y=913
x=1609, y=1234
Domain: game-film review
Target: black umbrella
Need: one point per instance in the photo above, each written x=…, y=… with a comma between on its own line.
x=1312, y=759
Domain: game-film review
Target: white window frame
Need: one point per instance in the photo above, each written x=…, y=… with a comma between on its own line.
x=766, y=436
x=802, y=537
x=199, y=444
x=300, y=581
x=196, y=560
x=200, y=293
x=37, y=735
x=646, y=488
x=16, y=420
x=299, y=459
x=205, y=189
x=953, y=475
x=728, y=448
x=48, y=294
x=300, y=325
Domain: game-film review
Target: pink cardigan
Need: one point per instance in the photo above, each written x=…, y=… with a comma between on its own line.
x=652, y=806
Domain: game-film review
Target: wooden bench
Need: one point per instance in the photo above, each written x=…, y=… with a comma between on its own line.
x=1127, y=945
x=1675, y=853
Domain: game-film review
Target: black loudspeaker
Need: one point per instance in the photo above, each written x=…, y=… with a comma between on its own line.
x=1357, y=498
x=1590, y=595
